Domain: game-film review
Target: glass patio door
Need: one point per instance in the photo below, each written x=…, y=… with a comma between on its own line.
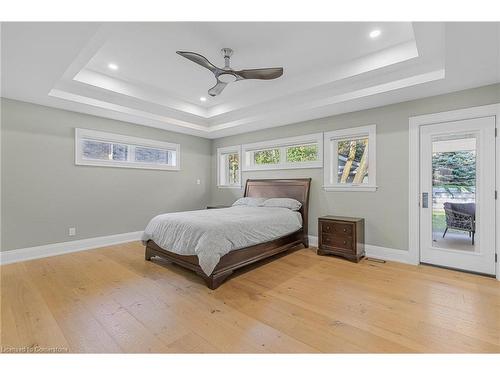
x=457, y=203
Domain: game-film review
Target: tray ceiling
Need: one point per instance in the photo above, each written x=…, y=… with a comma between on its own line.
x=328, y=68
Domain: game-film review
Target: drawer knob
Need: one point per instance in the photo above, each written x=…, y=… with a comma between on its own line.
x=345, y=230
x=345, y=242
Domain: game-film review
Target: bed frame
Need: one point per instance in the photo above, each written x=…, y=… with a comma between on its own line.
x=280, y=188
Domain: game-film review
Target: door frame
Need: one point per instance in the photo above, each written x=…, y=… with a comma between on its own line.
x=415, y=123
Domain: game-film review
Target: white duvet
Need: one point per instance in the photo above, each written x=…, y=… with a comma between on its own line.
x=210, y=234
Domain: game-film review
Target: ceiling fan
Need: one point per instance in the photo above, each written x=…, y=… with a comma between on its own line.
x=227, y=75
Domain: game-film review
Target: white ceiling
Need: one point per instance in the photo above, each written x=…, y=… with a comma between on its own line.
x=329, y=68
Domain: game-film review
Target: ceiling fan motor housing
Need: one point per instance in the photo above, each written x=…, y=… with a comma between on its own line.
x=227, y=77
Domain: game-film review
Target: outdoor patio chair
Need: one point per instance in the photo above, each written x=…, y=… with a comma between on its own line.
x=461, y=216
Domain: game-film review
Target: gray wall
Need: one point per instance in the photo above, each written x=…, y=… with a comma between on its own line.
x=386, y=210
x=44, y=193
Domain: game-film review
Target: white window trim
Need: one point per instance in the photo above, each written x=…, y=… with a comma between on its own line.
x=329, y=174
x=228, y=150
x=124, y=139
x=282, y=144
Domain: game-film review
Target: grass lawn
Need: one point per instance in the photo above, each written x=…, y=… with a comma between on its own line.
x=438, y=221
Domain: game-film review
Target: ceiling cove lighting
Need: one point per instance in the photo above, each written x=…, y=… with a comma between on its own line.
x=375, y=33
x=203, y=99
x=113, y=66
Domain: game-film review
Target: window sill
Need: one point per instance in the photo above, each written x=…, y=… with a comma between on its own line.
x=351, y=188
x=282, y=166
x=230, y=187
x=103, y=163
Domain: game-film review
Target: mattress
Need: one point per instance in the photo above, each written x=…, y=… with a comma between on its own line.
x=211, y=234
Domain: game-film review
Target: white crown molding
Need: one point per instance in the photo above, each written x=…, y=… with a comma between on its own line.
x=282, y=113
x=169, y=122
x=36, y=252
x=77, y=71
x=95, y=87
x=385, y=70
x=74, y=73
x=147, y=94
x=376, y=61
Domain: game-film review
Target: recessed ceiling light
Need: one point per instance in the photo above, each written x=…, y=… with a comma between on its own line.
x=113, y=66
x=375, y=33
x=203, y=99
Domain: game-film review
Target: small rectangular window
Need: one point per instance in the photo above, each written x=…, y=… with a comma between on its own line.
x=119, y=151
x=228, y=167
x=115, y=150
x=232, y=162
x=350, y=159
x=302, y=153
x=271, y=156
x=305, y=151
x=152, y=155
x=95, y=150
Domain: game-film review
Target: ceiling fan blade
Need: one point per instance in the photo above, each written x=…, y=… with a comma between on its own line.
x=217, y=89
x=199, y=59
x=265, y=73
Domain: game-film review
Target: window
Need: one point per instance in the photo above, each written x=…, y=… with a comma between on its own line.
x=350, y=159
x=287, y=153
x=113, y=150
x=302, y=153
x=97, y=150
x=266, y=157
x=228, y=167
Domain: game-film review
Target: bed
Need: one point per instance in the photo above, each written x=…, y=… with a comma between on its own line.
x=297, y=189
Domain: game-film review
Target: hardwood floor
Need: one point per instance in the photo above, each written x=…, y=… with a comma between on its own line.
x=111, y=300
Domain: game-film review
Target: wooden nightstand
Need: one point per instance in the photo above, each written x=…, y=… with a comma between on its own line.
x=342, y=236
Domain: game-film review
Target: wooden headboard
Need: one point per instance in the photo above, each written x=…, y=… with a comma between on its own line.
x=295, y=188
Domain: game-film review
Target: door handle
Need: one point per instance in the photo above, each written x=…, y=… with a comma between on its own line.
x=425, y=200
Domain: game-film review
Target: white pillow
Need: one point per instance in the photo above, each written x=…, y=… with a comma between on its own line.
x=290, y=203
x=249, y=201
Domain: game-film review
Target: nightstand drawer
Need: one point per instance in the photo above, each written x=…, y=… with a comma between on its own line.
x=344, y=243
x=339, y=229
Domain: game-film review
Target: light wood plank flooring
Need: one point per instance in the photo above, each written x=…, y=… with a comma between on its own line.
x=111, y=300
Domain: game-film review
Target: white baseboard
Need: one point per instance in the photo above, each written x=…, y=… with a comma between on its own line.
x=313, y=241
x=19, y=255
x=385, y=253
